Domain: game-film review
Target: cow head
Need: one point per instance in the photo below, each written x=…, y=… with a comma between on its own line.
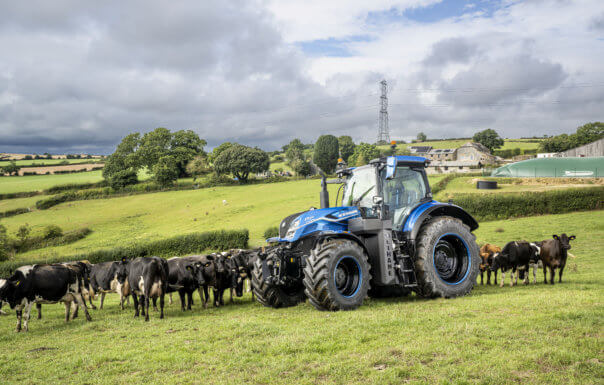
x=498, y=261
x=196, y=271
x=7, y=290
x=122, y=270
x=564, y=240
x=209, y=270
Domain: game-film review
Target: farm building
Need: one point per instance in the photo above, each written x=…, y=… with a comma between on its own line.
x=472, y=151
x=453, y=166
x=592, y=149
x=553, y=167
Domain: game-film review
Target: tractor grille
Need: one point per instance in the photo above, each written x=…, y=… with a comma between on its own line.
x=286, y=223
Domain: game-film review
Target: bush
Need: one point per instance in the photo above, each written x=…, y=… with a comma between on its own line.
x=74, y=186
x=23, y=194
x=124, y=178
x=486, y=207
x=52, y=231
x=175, y=246
x=271, y=232
x=11, y=213
x=441, y=184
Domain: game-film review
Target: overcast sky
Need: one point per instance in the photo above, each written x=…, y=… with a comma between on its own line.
x=78, y=76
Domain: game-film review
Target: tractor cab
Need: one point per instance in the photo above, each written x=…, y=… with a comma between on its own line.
x=388, y=188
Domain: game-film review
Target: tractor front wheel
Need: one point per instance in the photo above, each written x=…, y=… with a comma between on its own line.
x=336, y=275
x=274, y=296
x=447, y=260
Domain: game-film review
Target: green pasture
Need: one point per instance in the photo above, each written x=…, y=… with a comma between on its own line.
x=48, y=162
x=532, y=334
x=508, y=144
x=12, y=184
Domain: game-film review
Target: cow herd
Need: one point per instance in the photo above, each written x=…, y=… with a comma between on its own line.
x=144, y=279
x=519, y=256
x=148, y=279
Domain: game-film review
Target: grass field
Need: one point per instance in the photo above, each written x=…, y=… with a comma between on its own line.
x=12, y=184
x=527, y=334
x=508, y=144
x=47, y=162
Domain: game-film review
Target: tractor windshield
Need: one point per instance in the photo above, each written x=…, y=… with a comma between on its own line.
x=360, y=188
x=403, y=192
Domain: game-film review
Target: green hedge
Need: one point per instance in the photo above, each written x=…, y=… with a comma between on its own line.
x=74, y=186
x=272, y=231
x=11, y=213
x=486, y=207
x=33, y=243
x=169, y=247
x=23, y=194
x=441, y=184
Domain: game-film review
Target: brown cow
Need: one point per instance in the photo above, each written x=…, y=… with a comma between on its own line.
x=487, y=252
x=553, y=254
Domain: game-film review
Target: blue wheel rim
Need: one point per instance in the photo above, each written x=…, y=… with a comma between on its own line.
x=451, y=259
x=347, y=276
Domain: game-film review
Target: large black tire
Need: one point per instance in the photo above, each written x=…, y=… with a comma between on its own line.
x=273, y=296
x=336, y=276
x=388, y=292
x=447, y=258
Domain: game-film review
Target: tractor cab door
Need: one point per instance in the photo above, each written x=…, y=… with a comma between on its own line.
x=402, y=192
x=360, y=188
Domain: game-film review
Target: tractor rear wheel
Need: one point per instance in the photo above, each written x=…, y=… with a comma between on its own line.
x=447, y=260
x=336, y=275
x=273, y=296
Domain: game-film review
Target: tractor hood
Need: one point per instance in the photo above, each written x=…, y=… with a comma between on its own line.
x=332, y=219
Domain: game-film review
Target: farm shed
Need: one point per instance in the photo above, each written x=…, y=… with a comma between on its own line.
x=553, y=167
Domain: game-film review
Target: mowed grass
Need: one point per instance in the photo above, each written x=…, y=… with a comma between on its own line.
x=13, y=184
x=526, y=334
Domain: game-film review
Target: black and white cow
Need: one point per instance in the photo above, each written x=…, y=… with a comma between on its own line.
x=147, y=278
x=208, y=267
x=185, y=276
x=42, y=284
x=515, y=256
x=104, y=279
x=245, y=264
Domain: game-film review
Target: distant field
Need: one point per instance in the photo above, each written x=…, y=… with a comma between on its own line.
x=49, y=162
x=508, y=144
x=282, y=165
x=536, y=334
x=11, y=184
x=466, y=184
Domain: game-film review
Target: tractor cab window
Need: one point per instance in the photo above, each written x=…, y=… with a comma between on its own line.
x=403, y=192
x=360, y=188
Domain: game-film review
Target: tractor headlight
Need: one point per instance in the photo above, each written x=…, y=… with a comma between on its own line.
x=290, y=233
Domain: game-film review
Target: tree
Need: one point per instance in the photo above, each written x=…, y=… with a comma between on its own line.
x=421, y=137
x=488, y=138
x=585, y=134
x=124, y=158
x=123, y=178
x=302, y=167
x=165, y=171
x=326, y=153
x=23, y=232
x=294, y=151
x=198, y=166
x=240, y=161
x=363, y=153
x=346, y=147
x=218, y=150
x=185, y=146
x=153, y=146
x=11, y=168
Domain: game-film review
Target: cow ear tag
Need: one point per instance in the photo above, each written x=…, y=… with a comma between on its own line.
x=17, y=283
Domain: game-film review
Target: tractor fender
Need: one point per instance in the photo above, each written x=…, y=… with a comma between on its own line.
x=436, y=209
x=345, y=235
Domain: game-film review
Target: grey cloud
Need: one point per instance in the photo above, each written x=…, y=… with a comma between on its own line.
x=597, y=23
x=453, y=50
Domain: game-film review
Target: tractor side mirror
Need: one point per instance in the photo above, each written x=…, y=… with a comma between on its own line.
x=377, y=200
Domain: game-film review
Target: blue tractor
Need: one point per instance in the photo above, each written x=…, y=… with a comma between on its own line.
x=388, y=238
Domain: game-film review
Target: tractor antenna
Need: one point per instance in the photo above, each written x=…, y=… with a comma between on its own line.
x=383, y=130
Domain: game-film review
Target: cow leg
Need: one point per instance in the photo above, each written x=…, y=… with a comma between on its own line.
x=535, y=267
x=154, y=303
x=181, y=294
x=161, y=306
x=170, y=298
x=545, y=273
x=514, y=277
x=67, y=310
x=216, y=299
x=81, y=303
x=560, y=274
x=74, y=309
x=141, y=301
x=526, y=274
x=481, y=279
x=502, y=278
x=39, y=309
x=103, y=300
x=90, y=296
x=135, y=300
x=206, y=296
x=189, y=300
x=27, y=311
x=19, y=316
x=489, y=277
x=552, y=274
x=231, y=300
x=495, y=273
x=146, y=308
x=221, y=296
